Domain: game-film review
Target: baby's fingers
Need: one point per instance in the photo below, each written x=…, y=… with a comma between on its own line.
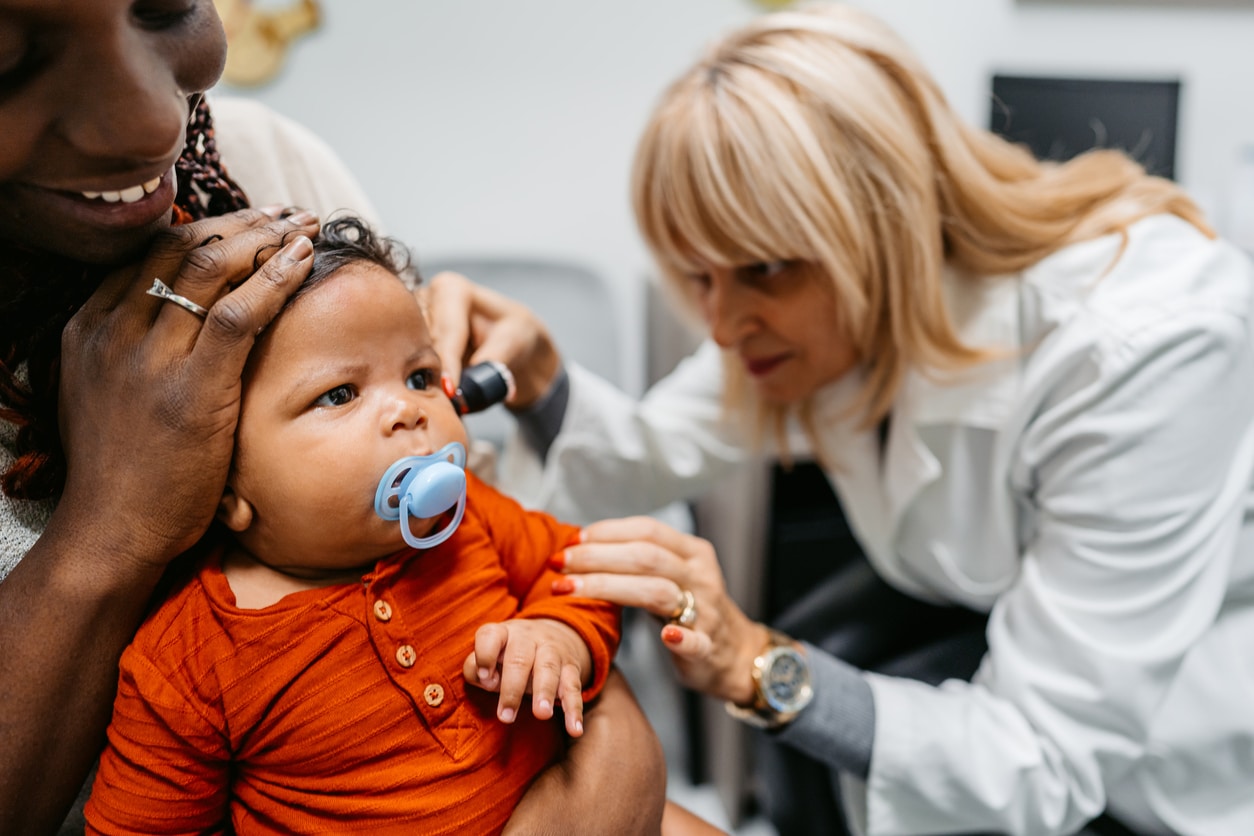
x=571, y=691
x=471, y=672
x=490, y=641
x=545, y=681
x=516, y=666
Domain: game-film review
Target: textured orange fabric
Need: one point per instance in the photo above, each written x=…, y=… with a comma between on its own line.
x=299, y=718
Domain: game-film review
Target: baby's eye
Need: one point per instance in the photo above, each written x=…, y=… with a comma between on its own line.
x=422, y=379
x=338, y=396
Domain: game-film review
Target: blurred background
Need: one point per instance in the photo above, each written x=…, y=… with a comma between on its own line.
x=495, y=133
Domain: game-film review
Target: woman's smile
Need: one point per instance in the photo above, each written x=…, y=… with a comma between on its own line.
x=121, y=207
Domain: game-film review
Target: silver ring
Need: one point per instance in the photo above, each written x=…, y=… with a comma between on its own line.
x=162, y=291
x=685, y=614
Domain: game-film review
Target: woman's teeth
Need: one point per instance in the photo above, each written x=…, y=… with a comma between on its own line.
x=130, y=195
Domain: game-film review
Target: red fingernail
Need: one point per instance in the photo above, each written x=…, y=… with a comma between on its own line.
x=446, y=383
x=672, y=634
x=563, y=586
x=558, y=561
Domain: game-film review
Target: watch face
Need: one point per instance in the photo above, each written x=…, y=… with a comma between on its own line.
x=786, y=685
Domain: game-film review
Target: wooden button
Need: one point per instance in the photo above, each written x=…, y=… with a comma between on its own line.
x=406, y=656
x=382, y=610
x=433, y=694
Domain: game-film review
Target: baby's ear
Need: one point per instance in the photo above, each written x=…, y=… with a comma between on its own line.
x=234, y=511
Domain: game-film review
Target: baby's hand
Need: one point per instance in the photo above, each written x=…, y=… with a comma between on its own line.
x=546, y=657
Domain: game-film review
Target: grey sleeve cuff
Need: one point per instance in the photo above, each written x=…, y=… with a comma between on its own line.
x=540, y=423
x=838, y=726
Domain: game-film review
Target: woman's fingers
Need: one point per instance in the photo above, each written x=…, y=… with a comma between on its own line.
x=448, y=301
x=471, y=324
x=629, y=529
x=235, y=320
x=660, y=596
x=687, y=644
x=641, y=562
x=636, y=556
x=165, y=255
x=465, y=322
x=209, y=272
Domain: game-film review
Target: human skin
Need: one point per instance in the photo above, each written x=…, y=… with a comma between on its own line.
x=780, y=320
x=339, y=387
x=95, y=96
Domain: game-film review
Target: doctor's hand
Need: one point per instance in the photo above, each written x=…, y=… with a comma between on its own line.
x=641, y=562
x=471, y=324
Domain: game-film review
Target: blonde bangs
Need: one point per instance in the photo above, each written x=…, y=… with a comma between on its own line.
x=731, y=171
x=816, y=135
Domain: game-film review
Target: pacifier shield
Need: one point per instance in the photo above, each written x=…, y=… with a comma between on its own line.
x=423, y=487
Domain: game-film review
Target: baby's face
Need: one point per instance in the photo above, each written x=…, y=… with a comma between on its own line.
x=342, y=385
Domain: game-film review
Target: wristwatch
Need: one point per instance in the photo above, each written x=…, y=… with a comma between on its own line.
x=781, y=685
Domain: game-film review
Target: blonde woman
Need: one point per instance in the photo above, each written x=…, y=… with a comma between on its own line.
x=1030, y=385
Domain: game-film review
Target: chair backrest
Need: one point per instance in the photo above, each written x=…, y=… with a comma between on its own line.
x=575, y=302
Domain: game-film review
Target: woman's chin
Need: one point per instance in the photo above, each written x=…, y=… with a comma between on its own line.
x=781, y=394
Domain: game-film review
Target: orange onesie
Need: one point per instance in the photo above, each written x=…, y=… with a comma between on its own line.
x=344, y=708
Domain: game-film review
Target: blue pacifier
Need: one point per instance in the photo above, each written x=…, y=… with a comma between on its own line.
x=423, y=487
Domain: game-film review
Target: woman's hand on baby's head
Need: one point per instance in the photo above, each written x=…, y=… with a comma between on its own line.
x=540, y=656
x=151, y=390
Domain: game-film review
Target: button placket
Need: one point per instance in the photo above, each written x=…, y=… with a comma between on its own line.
x=408, y=669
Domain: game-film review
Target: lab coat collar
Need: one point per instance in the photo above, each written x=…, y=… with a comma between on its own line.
x=985, y=313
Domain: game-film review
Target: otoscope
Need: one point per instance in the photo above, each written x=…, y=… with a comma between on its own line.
x=423, y=487
x=482, y=385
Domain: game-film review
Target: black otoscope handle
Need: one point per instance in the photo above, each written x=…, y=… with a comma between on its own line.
x=482, y=385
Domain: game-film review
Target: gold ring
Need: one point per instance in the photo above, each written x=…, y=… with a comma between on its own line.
x=685, y=614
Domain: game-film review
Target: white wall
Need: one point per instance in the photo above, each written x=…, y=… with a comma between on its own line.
x=507, y=126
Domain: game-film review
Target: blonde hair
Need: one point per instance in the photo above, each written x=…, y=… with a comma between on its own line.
x=817, y=135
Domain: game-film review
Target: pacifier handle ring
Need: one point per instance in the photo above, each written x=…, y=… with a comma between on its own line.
x=431, y=540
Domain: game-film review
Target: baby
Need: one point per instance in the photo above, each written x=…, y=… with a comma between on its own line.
x=311, y=675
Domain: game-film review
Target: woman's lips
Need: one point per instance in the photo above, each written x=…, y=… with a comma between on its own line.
x=760, y=366
x=131, y=207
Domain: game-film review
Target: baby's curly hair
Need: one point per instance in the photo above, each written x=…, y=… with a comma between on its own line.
x=347, y=239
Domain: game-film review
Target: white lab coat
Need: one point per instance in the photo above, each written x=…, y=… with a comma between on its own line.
x=1092, y=489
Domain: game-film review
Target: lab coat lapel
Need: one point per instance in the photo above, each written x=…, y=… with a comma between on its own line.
x=909, y=465
x=985, y=313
